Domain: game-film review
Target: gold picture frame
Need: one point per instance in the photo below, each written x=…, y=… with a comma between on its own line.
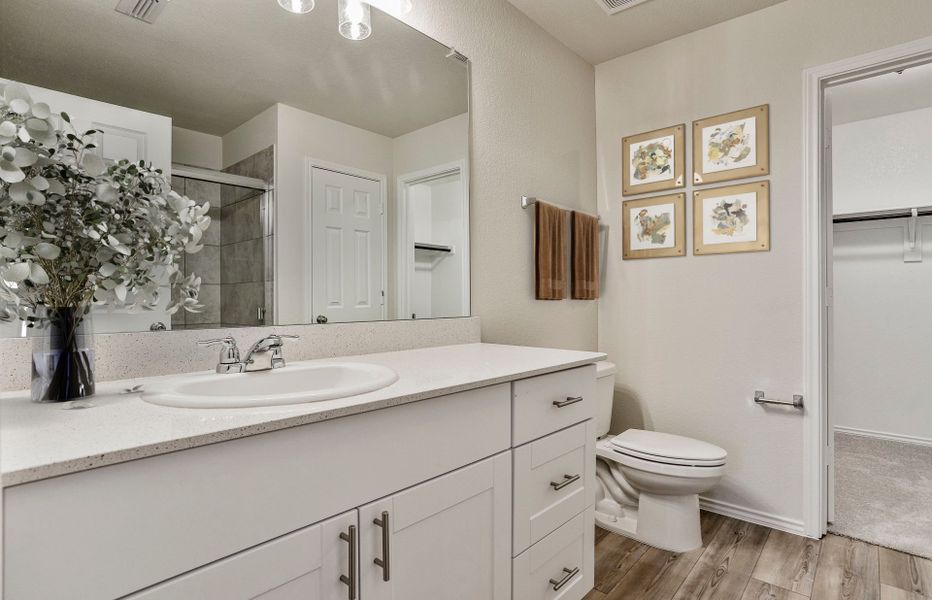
x=719, y=227
x=656, y=172
x=734, y=145
x=660, y=227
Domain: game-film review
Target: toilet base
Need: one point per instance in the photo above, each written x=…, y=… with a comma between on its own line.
x=666, y=522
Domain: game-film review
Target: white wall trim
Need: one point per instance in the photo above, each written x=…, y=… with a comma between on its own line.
x=404, y=245
x=753, y=516
x=816, y=221
x=310, y=163
x=883, y=435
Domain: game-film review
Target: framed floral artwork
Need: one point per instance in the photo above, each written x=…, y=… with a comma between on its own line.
x=734, y=218
x=654, y=161
x=732, y=146
x=654, y=227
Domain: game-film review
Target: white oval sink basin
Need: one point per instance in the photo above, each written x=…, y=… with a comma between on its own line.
x=293, y=384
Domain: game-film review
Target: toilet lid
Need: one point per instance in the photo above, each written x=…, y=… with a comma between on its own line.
x=668, y=448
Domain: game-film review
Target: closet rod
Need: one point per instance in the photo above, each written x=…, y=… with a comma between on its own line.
x=528, y=201
x=877, y=215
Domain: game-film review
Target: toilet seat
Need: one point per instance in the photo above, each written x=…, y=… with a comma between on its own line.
x=667, y=449
x=683, y=471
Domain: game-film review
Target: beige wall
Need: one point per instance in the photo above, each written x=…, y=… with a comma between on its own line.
x=197, y=149
x=258, y=133
x=533, y=133
x=695, y=336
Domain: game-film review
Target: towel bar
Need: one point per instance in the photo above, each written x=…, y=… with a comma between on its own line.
x=761, y=398
x=529, y=201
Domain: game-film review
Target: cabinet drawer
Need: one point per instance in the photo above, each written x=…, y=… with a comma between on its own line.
x=554, y=479
x=552, y=402
x=563, y=560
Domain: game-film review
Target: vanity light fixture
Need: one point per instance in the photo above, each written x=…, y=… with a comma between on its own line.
x=355, y=19
x=299, y=7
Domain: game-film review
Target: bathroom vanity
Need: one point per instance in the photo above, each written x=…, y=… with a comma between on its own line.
x=471, y=477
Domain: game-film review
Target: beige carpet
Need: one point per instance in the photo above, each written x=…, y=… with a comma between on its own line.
x=883, y=493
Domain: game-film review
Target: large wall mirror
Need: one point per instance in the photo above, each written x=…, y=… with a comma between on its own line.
x=336, y=169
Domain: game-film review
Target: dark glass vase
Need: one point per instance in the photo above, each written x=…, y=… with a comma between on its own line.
x=63, y=356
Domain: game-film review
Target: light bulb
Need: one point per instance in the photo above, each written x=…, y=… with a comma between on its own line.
x=355, y=19
x=298, y=7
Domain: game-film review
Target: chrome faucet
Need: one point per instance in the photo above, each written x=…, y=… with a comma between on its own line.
x=269, y=348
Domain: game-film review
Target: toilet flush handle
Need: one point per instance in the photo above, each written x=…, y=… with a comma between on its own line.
x=761, y=398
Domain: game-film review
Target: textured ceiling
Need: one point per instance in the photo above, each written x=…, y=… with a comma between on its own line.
x=882, y=95
x=597, y=37
x=214, y=64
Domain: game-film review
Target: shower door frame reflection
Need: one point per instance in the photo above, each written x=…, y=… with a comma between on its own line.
x=267, y=225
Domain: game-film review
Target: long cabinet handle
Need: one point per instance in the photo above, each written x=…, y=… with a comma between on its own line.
x=568, y=575
x=567, y=479
x=350, y=580
x=569, y=400
x=386, y=561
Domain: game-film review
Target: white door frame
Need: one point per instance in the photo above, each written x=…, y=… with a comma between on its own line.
x=404, y=247
x=817, y=219
x=310, y=164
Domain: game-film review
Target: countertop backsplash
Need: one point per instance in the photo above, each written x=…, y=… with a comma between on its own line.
x=130, y=355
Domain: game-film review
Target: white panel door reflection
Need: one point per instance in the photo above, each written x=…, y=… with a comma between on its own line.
x=348, y=244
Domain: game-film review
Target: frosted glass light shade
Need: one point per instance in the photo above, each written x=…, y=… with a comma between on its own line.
x=299, y=7
x=355, y=19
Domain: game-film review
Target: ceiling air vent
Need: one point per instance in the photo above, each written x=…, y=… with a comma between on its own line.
x=616, y=6
x=144, y=10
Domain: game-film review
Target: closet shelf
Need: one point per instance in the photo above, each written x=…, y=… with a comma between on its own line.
x=426, y=247
x=427, y=255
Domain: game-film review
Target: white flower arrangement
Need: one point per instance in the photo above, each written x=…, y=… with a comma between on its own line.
x=75, y=232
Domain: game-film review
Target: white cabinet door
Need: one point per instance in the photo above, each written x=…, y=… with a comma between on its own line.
x=315, y=563
x=448, y=538
x=347, y=247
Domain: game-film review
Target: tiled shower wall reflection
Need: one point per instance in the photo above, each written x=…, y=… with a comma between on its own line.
x=235, y=265
x=206, y=263
x=246, y=245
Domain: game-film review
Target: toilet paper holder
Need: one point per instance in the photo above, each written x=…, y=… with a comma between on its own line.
x=761, y=398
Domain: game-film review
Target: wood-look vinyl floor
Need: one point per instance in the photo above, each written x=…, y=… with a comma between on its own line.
x=743, y=561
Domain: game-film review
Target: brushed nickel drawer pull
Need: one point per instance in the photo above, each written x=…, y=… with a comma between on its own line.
x=569, y=400
x=567, y=479
x=569, y=574
x=350, y=580
x=385, y=562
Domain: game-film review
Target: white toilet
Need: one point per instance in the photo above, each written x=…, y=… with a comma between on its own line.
x=649, y=482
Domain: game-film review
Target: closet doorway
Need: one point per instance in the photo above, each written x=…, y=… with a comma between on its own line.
x=433, y=243
x=878, y=185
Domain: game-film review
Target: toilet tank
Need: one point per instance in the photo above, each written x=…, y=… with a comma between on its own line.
x=605, y=392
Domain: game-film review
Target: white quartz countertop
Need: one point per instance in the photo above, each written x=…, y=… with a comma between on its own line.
x=38, y=441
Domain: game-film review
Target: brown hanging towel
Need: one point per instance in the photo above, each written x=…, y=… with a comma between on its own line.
x=585, y=256
x=550, y=252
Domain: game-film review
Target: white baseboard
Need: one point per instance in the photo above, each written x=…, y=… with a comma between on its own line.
x=752, y=516
x=882, y=435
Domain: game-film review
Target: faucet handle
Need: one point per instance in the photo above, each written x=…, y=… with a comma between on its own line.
x=277, y=360
x=229, y=353
x=278, y=337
